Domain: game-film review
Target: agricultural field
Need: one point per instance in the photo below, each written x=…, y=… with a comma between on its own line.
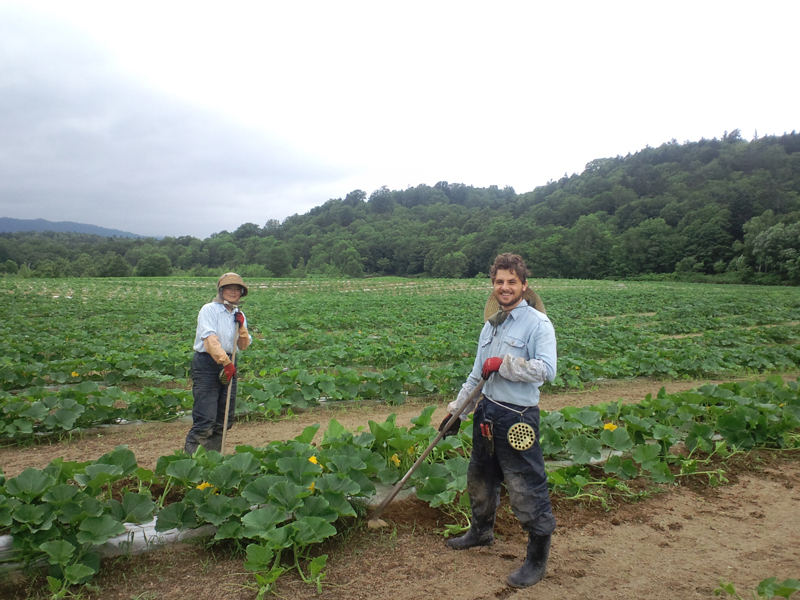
x=687, y=394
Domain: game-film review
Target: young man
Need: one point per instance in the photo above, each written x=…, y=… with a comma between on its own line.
x=516, y=354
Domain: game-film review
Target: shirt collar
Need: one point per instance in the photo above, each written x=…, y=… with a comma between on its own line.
x=522, y=304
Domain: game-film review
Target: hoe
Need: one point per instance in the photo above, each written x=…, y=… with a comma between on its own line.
x=376, y=522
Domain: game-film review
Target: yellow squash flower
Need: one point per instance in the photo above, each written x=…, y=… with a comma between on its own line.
x=395, y=460
x=311, y=487
x=74, y=374
x=205, y=485
x=313, y=459
x=610, y=426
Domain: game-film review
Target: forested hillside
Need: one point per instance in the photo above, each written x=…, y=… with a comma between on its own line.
x=714, y=206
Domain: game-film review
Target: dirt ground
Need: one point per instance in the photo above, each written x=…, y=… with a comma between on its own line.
x=149, y=441
x=675, y=543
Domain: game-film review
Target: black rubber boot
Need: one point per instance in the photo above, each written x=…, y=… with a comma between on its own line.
x=533, y=569
x=214, y=442
x=480, y=533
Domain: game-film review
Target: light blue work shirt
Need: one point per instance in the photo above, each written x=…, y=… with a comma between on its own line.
x=526, y=333
x=214, y=319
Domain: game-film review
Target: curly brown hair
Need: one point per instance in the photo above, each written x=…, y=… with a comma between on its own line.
x=510, y=262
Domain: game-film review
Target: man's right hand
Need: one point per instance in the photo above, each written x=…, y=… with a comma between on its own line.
x=454, y=428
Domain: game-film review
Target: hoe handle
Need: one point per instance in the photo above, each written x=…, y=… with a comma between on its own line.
x=399, y=485
x=228, y=399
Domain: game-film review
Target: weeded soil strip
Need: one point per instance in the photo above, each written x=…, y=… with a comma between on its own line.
x=153, y=440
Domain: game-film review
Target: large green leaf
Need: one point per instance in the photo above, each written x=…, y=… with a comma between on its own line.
x=343, y=463
x=617, y=439
x=584, y=449
x=185, y=470
x=176, y=516
x=225, y=478
x=308, y=434
x=59, y=552
x=122, y=457
x=244, y=463
x=317, y=506
x=661, y=474
x=262, y=520
x=59, y=495
x=259, y=558
x=588, y=418
x=647, y=455
x=339, y=503
x=216, y=509
x=138, y=508
x=336, y=482
x=287, y=495
x=98, y=530
x=230, y=530
x=297, y=466
x=257, y=491
x=98, y=475
x=312, y=530
x=29, y=485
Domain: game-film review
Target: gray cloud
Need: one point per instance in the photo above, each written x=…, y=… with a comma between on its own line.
x=79, y=142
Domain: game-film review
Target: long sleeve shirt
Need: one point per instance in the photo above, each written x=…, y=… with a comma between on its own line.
x=526, y=334
x=214, y=319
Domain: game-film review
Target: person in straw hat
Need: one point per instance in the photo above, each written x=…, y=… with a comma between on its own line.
x=516, y=354
x=212, y=367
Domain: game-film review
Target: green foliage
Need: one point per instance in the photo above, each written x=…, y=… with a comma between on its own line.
x=697, y=208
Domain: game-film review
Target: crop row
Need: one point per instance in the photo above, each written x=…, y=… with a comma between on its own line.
x=289, y=496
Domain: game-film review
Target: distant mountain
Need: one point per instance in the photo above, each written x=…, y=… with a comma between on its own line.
x=8, y=225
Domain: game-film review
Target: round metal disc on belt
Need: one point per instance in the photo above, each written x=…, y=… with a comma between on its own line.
x=521, y=436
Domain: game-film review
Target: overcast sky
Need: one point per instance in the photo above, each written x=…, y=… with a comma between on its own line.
x=187, y=118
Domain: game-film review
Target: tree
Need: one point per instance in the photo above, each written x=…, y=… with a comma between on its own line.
x=154, y=265
x=351, y=263
x=452, y=265
x=777, y=250
x=247, y=230
x=299, y=271
x=114, y=266
x=382, y=201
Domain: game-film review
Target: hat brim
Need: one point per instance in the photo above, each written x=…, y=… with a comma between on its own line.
x=531, y=297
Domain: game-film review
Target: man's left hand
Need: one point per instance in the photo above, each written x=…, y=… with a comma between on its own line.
x=491, y=365
x=454, y=428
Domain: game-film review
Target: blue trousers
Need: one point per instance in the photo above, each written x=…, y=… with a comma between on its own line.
x=208, y=411
x=523, y=472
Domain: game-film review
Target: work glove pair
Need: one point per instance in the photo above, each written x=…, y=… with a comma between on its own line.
x=490, y=365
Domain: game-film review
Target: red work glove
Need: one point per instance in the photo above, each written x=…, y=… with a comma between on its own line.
x=491, y=365
x=239, y=318
x=228, y=372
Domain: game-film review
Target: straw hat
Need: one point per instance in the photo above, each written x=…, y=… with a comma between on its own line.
x=531, y=297
x=232, y=279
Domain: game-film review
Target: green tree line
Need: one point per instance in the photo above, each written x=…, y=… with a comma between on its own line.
x=721, y=206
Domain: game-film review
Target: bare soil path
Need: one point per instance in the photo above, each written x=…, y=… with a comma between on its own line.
x=149, y=441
